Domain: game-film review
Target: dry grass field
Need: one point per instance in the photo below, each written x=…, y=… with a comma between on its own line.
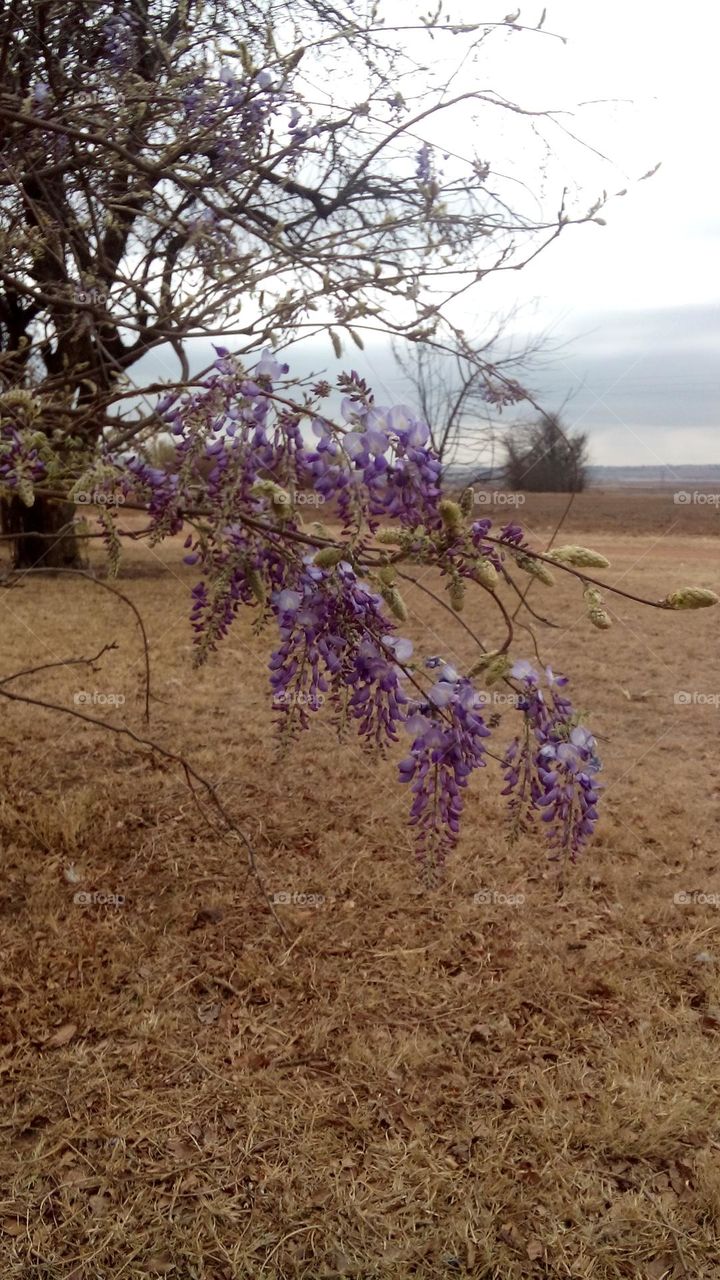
x=491, y=1080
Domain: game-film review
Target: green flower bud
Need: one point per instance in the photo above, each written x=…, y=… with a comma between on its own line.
x=394, y=602
x=26, y=493
x=467, y=499
x=456, y=592
x=598, y=616
x=279, y=498
x=484, y=572
x=495, y=666
x=690, y=598
x=451, y=515
x=391, y=537
x=580, y=557
x=534, y=567
x=257, y=586
x=497, y=669
x=387, y=575
x=328, y=557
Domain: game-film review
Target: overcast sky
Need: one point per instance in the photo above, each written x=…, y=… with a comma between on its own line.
x=632, y=308
x=637, y=301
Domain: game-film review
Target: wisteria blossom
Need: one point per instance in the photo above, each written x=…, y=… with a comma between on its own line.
x=551, y=767
x=249, y=458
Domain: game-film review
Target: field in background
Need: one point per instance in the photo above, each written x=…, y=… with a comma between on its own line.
x=490, y=1081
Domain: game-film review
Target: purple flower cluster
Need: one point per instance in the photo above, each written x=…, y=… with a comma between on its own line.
x=239, y=109
x=21, y=465
x=335, y=639
x=423, y=169
x=246, y=455
x=160, y=489
x=552, y=768
x=381, y=466
x=448, y=733
x=119, y=37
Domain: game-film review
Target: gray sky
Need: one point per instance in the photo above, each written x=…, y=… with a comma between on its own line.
x=638, y=301
x=631, y=308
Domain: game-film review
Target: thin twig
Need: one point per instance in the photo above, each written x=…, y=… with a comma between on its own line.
x=63, y=662
x=99, y=582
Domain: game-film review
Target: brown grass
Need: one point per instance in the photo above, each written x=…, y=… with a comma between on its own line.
x=420, y=1084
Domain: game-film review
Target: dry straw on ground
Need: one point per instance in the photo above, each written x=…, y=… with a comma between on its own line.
x=508, y=1086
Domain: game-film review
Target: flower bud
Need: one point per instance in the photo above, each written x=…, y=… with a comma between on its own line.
x=534, y=567
x=467, y=499
x=456, y=594
x=690, y=598
x=394, y=602
x=497, y=669
x=392, y=537
x=256, y=585
x=328, y=557
x=598, y=616
x=495, y=666
x=387, y=575
x=279, y=498
x=580, y=557
x=451, y=515
x=484, y=572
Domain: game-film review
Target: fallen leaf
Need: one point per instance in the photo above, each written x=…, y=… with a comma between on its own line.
x=510, y=1234
x=535, y=1249
x=11, y=1226
x=160, y=1263
x=62, y=1036
x=208, y=1012
x=659, y=1269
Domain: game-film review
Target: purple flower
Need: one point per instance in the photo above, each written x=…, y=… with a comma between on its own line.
x=551, y=768
x=448, y=735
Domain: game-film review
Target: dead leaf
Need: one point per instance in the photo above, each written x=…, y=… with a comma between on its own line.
x=160, y=1263
x=510, y=1234
x=659, y=1269
x=62, y=1036
x=99, y=1204
x=12, y=1227
x=535, y=1249
x=208, y=1012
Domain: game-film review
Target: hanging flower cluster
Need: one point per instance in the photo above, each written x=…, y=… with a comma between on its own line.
x=25, y=454
x=250, y=464
x=448, y=733
x=551, y=768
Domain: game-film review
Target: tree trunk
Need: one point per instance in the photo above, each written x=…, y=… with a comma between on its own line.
x=40, y=542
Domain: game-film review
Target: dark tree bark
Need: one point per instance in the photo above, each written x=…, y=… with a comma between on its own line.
x=43, y=539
